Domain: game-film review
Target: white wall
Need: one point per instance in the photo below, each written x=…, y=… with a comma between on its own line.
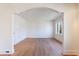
x=39, y=29
x=30, y=28
x=24, y=28
x=19, y=28
x=5, y=29
x=70, y=17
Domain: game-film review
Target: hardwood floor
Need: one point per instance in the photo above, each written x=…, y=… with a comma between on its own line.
x=38, y=47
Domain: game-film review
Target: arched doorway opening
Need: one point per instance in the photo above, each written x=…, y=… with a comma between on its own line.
x=39, y=29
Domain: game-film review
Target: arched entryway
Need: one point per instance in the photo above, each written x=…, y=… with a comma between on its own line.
x=38, y=31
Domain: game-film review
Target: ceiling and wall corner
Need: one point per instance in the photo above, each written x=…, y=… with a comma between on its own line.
x=40, y=13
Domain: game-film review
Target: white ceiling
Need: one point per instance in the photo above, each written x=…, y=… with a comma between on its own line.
x=40, y=13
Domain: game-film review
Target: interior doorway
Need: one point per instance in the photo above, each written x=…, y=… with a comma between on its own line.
x=39, y=29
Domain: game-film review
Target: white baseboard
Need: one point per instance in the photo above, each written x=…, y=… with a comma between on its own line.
x=74, y=52
x=4, y=52
x=39, y=37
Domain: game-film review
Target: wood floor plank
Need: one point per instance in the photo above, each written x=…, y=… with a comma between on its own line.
x=38, y=47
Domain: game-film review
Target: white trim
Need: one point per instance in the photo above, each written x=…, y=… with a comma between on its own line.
x=70, y=52
x=4, y=52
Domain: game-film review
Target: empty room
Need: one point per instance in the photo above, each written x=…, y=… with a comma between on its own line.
x=39, y=29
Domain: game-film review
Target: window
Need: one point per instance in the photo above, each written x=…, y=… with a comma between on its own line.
x=59, y=27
